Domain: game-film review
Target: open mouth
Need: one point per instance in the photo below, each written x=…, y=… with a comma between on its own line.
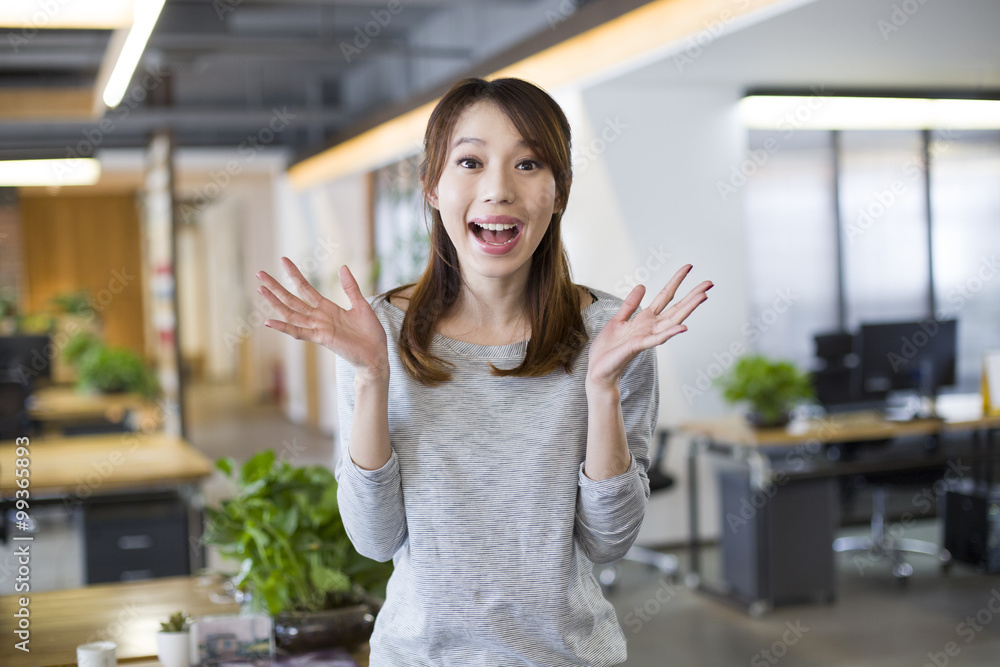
x=497, y=235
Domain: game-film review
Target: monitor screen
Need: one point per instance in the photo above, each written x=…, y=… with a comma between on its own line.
x=26, y=356
x=899, y=356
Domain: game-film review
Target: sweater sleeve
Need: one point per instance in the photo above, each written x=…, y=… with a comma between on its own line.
x=370, y=501
x=610, y=511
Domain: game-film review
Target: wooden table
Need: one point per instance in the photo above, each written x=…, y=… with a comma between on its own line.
x=125, y=613
x=86, y=465
x=58, y=405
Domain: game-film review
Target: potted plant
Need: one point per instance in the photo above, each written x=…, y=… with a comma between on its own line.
x=115, y=369
x=297, y=563
x=173, y=641
x=72, y=303
x=773, y=387
x=8, y=312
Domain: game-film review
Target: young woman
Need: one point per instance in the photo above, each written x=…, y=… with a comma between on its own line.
x=495, y=417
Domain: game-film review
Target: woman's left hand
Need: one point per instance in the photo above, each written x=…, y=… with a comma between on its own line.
x=622, y=339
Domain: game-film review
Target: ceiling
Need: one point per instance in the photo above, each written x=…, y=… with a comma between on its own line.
x=217, y=72
x=847, y=45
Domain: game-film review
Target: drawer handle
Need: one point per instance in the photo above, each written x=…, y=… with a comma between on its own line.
x=136, y=575
x=129, y=542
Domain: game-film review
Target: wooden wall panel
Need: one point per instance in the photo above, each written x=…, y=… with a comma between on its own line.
x=89, y=242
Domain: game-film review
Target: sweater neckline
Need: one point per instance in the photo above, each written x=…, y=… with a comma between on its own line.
x=507, y=351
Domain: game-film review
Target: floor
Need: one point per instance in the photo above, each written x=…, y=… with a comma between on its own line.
x=935, y=619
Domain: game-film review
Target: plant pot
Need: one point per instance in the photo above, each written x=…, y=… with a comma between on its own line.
x=344, y=627
x=757, y=420
x=172, y=648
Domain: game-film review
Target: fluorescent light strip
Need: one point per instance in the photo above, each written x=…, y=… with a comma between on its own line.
x=71, y=171
x=780, y=112
x=146, y=14
x=49, y=14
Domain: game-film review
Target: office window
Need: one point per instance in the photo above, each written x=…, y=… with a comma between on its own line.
x=883, y=227
x=965, y=203
x=791, y=236
x=402, y=245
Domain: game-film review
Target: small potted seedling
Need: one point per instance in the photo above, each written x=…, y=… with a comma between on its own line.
x=172, y=641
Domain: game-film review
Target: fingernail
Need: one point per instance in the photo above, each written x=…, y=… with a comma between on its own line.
x=710, y=287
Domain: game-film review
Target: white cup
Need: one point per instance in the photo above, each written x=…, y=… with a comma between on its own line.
x=96, y=654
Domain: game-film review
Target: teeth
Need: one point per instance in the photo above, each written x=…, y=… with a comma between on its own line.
x=496, y=228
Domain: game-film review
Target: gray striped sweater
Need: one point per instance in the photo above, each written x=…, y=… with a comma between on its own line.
x=484, y=508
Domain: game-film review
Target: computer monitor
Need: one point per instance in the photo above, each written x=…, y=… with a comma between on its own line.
x=900, y=356
x=26, y=356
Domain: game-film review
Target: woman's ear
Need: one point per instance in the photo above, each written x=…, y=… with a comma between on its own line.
x=432, y=198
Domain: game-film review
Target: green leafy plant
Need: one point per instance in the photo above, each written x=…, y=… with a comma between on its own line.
x=178, y=622
x=8, y=303
x=285, y=530
x=73, y=303
x=772, y=388
x=78, y=345
x=114, y=369
x=38, y=322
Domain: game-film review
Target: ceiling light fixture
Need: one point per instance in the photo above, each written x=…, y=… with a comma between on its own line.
x=146, y=13
x=71, y=171
x=830, y=112
x=33, y=15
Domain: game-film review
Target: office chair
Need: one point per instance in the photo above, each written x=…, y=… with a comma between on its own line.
x=838, y=386
x=14, y=419
x=666, y=563
x=879, y=543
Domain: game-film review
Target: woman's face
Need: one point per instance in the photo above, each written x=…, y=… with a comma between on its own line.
x=492, y=177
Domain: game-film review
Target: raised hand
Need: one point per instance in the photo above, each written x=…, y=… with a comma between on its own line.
x=355, y=334
x=621, y=339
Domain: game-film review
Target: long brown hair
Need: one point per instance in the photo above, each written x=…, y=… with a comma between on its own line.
x=557, y=329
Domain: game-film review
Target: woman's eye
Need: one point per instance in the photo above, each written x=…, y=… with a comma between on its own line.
x=528, y=165
x=468, y=162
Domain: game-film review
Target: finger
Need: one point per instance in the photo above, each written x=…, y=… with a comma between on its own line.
x=289, y=299
x=298, y=333
x=680, y=312
x=631, y=302
x=307, y=291
x=666, y=294
x=693, y=294
x=283, y=310
x=351, y=288
x=660, y=337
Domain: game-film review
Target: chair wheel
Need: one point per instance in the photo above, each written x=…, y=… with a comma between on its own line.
x=902, y=571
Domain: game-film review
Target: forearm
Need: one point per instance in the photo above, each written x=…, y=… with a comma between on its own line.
x=607, y=447
x=370, y=448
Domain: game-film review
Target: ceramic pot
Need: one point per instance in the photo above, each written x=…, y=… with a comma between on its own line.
x=172, y=648
x=344, y=627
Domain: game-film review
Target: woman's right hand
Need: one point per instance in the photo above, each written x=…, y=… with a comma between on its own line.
x=355, y=334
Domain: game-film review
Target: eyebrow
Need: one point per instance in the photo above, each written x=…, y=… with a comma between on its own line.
x=479, y=142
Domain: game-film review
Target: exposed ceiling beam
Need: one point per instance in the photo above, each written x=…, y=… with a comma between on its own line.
x=48, y=103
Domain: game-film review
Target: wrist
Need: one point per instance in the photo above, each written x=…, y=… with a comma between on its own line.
x=372, y=377
x=603, y=389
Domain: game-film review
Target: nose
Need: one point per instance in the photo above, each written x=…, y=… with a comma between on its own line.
x=497, y=186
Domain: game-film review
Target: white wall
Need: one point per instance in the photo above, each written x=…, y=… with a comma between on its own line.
x=647, y=161
x=322, y=229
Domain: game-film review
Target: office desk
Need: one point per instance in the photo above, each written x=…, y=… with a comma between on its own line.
x=125, y=613
x=86, y=465
x=135, y=490
x=804, y=444
x=58, y=405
